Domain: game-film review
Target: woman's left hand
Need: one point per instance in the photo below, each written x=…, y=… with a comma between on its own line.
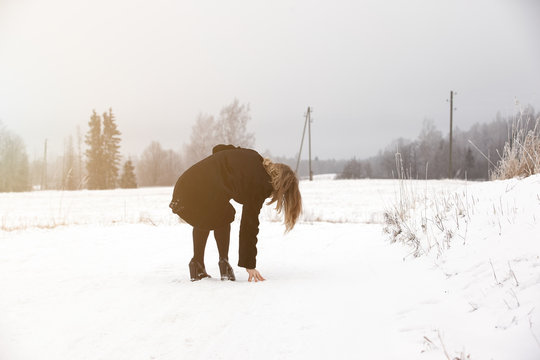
x=254, y=275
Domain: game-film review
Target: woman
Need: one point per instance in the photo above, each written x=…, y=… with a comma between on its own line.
x=201, y=197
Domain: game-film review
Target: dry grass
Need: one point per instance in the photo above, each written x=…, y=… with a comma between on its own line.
x=398, y=220
x=521, y=153
x=425, y=221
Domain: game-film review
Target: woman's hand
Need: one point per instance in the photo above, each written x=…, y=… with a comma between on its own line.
x=254, y=275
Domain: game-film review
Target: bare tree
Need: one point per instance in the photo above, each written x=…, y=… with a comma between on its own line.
x=158, y=167
x=430, y=151
x=203, y=138
x=231, y=127
x=173, y=167
x=149, y=165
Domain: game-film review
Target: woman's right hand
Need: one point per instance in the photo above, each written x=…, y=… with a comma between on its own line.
x=254, y=275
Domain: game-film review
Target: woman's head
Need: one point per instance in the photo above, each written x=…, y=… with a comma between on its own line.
x=286, y=193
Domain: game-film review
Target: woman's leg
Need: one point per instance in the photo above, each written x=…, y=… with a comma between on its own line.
x=199, y=244
x=196, y=265
x=223, y=237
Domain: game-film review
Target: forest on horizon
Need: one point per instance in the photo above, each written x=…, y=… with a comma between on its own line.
x=94, y=161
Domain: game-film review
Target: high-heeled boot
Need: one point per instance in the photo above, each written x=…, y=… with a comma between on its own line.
x=226, y=270
x=197, y=270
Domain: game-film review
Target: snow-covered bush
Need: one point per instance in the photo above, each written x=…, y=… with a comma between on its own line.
x=521, y=154
x=423, y=217
x=427, y=222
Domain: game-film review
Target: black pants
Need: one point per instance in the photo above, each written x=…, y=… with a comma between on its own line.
x=222, y=236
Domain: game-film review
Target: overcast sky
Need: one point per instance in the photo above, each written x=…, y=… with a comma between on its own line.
x=371, y=70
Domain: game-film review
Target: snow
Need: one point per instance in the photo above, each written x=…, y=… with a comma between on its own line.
x=104, y=275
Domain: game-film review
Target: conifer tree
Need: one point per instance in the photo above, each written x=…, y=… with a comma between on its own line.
x=94, y=153
x=103, y=155
x=111, y=153
x=128, y=180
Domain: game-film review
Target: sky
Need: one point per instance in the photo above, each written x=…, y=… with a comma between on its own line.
x=372, y=71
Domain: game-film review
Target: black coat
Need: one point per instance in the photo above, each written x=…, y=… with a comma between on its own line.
x=202, y=193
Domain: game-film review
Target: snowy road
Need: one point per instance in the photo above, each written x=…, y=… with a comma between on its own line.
x=335, y=289
x=123, y=292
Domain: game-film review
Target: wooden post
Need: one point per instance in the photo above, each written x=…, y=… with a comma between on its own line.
x=450, y=174
x=309, y=133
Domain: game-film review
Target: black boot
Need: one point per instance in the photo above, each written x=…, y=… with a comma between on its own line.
x=197, y=271
x=226, y=270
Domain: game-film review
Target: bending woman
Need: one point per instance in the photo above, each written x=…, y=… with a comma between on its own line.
x=201, y=197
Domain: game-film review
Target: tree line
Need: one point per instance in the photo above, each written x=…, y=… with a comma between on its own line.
x=475, y=152
x=96, y=168
x=98, y=165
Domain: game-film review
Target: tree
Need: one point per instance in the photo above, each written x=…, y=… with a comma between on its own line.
x=111, y=153
x=202, y=139
x=469, y=160
x=158, y=167
x=150, y=165
x=352, y=170
x=231, y=127
x=94, y=153
x=128, y=180
x=80, y=170
x=103, y=155
x=367, y=169
x=172, y=167
x=431, y=152
x=14, y=169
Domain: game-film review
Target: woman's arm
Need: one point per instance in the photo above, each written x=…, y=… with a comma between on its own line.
x=249, y=228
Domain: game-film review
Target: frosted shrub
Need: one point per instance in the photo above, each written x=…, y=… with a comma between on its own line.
x=521, y=153
x=430, y=222
x=425, y=220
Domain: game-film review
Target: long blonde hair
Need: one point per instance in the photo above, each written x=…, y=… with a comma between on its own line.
x=286, y=193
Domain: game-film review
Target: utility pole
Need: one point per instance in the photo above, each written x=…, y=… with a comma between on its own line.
x=308, y=119
x=450, y=174
x=307, y=124
x=44, y=168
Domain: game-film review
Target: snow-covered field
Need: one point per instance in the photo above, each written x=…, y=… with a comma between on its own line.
x=103, y=275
